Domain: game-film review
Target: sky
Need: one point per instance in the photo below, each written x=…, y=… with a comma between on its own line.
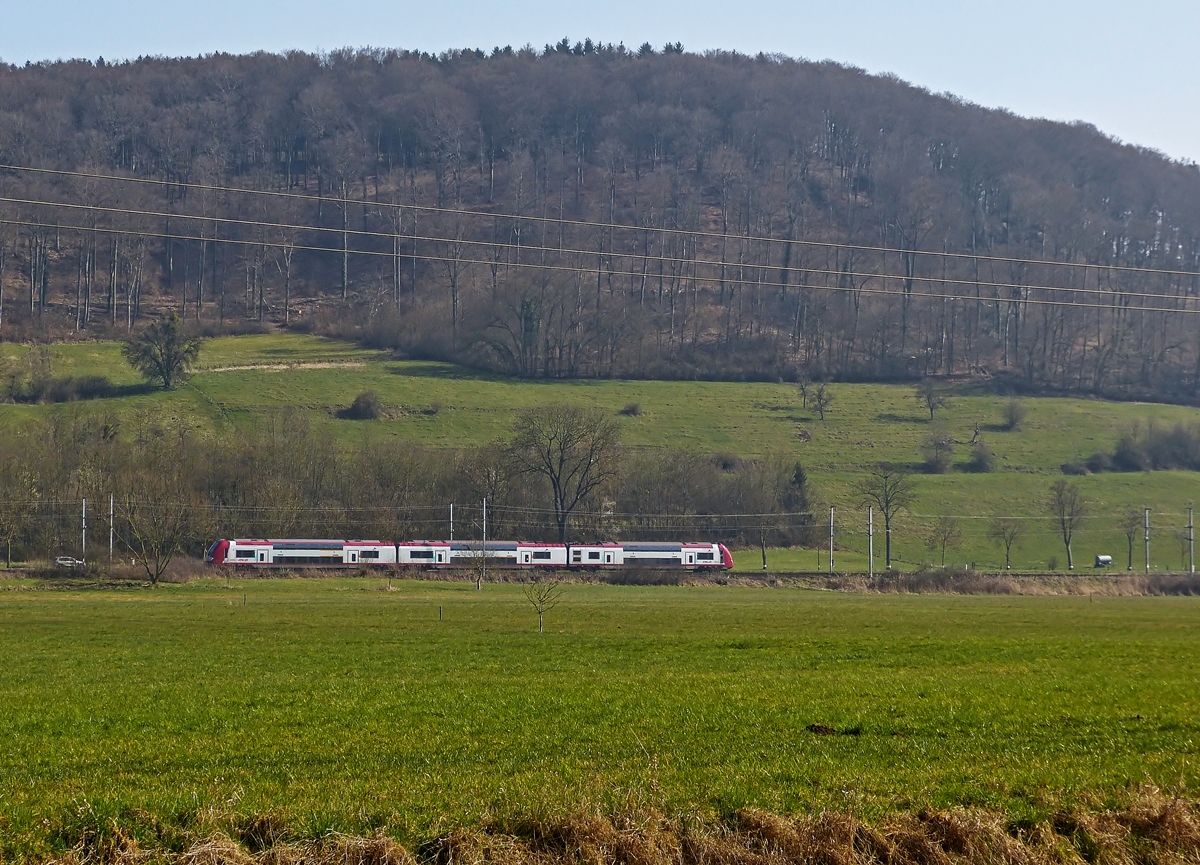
x=1127, y=68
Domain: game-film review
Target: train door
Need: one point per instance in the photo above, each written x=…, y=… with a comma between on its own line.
x=608, y=558
x=440, y=557
x=261, y=558
x=354, y=557
x=526, y=557
x=691, y=558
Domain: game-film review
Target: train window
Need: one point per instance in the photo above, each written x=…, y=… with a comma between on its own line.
x=369, y=554
x=541, y=554
x=420, y=554
x=244, y=554
x=704, y=557
x=594, y=556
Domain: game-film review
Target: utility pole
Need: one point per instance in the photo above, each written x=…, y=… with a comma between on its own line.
x=871, y=542
x=83, y=543
x=1191, y=543
x=831, y=541
x=452, y=521
x=483, y=567
x=110, y=527
x=1147, y=517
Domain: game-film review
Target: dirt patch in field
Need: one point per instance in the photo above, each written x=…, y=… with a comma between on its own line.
x=1153, y=829
x=283, y=367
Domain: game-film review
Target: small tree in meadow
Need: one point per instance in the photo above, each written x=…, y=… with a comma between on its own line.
x=163, y=352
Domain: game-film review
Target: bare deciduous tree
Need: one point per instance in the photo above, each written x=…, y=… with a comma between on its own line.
x=890, y=490
x=1068, y=507
x=932, y=397
x=821, y=401
x=162, y=352
x=1007, y=532
x=543, y=595
x=943, y=535
x=574, y=449
x=1131, y=524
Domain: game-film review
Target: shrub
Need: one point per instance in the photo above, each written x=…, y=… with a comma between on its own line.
x=1014, y=414
x=938, y=451
x=1099, y=462
x=366, y=406
x=632, y=409
x=1074, y=467
x=434, y=408
x=982, y=459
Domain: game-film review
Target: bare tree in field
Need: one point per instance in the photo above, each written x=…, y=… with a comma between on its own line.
x=890, y=490
x=1068, y=506
x=574, y=449
x=543, y=596
x=1131, y=526
x=821, y=401
x=931, y=397
x=944, y=534
x=153, y=519
x=1007, y=532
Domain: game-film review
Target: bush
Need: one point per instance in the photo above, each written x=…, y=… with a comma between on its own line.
x=1014, y=414
x=1074, y=467
x=632, y=409
x=366, y=406
x=1099, y=462
x=982, y=459
x=938, y=451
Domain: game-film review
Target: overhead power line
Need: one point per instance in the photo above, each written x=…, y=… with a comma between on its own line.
x=828, y=289
x=969, y=256
x=495, y=244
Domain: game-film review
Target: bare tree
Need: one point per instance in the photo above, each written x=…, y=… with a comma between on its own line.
x=931, y=397
x=944, y=534
x=1131, y=526
x=821, y=400
x=890, y=490
x=1068, y=506
x=543, y=595
x=1007, y=532
x=574, y=449
x=153, y=520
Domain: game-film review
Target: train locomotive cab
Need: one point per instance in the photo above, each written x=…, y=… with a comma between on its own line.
x=216, y=553
x=726, y=557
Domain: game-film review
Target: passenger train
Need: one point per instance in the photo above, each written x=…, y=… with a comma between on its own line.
x=304, y=553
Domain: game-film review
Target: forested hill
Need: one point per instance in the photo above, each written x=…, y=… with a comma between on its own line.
x=591, y=211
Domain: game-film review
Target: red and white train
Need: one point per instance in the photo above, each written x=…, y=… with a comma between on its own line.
x=306, y=553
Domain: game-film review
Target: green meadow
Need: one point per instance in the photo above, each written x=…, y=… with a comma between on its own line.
x=241, y=380
x=349, y=705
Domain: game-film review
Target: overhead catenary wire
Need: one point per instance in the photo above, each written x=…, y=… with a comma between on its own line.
x=832, y=289
x=970, y=256
x=753, y=267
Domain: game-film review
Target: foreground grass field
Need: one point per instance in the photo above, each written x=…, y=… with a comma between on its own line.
x=242, y=380
x=338, y=704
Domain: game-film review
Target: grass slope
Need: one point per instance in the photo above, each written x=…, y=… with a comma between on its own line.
x=243, y=378
x=338, y=704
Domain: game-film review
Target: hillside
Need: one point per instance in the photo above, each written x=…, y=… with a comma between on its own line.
x=251, y=383
x=588, y=211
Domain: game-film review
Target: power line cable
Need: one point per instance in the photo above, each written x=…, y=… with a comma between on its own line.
x=598, y=224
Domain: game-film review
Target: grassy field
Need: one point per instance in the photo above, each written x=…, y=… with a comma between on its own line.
x=340, y=704
x=242, y=379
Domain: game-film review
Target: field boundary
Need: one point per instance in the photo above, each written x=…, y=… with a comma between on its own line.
x=1154, y=829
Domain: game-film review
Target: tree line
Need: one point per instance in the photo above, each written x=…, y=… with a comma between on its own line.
x=588, y=210
x=560, y=475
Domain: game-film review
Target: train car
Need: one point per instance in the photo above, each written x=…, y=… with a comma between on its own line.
x=300, y=553
x=651, y=555
x=432, y=554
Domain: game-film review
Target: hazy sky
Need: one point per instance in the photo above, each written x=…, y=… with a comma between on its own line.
x=1129, y=68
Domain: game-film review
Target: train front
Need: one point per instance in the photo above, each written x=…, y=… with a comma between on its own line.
x=216, y=553
x=726, y=557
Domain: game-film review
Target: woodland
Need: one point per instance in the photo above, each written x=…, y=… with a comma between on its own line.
x=589, y=210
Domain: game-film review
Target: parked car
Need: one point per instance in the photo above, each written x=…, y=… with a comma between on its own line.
x=68, y=562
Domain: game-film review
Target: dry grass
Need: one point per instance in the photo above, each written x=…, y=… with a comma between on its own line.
x=1153, y=829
